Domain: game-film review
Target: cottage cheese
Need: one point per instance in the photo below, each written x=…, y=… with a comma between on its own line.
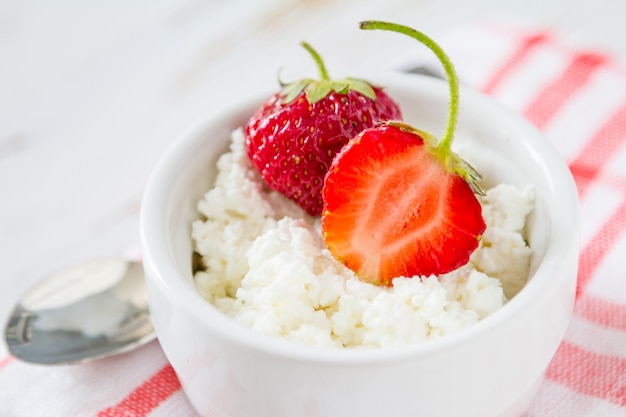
x=266, y=266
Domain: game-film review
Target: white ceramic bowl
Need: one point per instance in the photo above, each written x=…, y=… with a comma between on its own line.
x=491, y=369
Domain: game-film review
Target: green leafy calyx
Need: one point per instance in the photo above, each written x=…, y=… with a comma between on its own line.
x=316, y=90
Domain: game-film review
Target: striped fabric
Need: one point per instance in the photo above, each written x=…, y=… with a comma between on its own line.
x=577, y=96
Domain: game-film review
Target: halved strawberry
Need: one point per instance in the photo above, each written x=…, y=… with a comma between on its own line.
x=393, y=209
x=397, y=202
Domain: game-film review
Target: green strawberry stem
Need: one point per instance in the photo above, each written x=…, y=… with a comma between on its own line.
x=318, y=61
x=316, y=90
x=444, y=147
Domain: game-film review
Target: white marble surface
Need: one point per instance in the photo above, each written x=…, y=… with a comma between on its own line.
x=92, y=93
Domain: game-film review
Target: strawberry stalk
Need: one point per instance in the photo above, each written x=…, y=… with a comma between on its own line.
x=443, y=149
x=317, y=90
x=318, y=61
x=453, y=82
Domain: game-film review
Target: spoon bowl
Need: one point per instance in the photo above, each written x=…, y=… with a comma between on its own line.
x=81, y=313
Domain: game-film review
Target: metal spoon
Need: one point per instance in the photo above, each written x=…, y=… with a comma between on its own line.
x=88, y=311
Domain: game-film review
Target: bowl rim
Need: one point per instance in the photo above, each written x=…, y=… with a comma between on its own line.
x=155, y=249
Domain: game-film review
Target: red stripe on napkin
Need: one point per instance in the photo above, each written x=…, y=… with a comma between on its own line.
x=4, y=362
x=589, y=373
x=595, y=251
x=549, y=101
x=599, y=149
x=602, y=312
x=147, y=396
x=526, y=46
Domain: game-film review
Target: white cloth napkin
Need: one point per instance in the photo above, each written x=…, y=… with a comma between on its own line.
x=577, y=96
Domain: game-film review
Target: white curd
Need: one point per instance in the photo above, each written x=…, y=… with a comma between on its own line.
x=267, y=267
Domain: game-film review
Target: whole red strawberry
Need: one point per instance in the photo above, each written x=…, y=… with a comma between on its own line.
x=292, y=139
x=398, y=202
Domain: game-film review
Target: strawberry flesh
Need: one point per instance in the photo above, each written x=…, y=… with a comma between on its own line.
x=391, y=208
